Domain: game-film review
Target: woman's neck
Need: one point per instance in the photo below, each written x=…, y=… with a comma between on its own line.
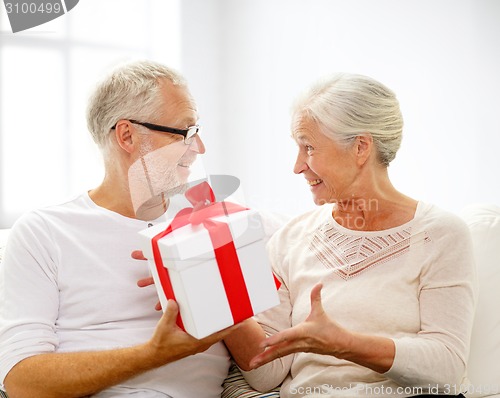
x=375, y=205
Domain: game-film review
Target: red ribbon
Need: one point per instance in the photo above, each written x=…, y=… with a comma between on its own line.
x=204, y=208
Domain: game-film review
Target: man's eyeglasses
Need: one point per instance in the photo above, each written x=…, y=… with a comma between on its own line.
x=189, y=134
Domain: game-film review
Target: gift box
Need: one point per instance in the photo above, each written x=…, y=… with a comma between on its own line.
x=217, y=269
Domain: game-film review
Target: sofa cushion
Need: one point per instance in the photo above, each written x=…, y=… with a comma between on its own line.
x=484, y=361
x=4, y=233
x=235, y=386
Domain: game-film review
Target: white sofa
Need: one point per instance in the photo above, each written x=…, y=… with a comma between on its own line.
x=484, y=358
x=484, y=362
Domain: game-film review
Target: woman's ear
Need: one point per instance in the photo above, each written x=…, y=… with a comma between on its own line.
x=364, y=147
x=124, y=136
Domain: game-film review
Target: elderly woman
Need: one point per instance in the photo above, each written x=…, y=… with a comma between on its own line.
x=377, y=295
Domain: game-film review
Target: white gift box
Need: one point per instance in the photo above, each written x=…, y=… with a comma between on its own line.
x=189, y=257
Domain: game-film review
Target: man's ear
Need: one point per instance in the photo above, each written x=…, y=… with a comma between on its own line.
x=364, y=147
x=124, y=136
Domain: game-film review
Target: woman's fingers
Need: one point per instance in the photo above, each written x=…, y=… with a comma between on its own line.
x=316, y=304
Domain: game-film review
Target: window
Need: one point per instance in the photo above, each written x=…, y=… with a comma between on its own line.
x=46, y=76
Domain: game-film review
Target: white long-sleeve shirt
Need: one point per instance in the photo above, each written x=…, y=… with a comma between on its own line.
x=68, y=283
x=414, y=284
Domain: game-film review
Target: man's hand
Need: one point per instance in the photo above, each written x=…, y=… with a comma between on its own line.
x=138, y=255
x=178, y=340
x=172, y=343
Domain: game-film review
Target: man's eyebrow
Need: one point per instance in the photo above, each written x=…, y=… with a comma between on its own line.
x=188, y=121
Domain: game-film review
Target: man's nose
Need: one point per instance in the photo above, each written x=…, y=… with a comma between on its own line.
x=197, y=145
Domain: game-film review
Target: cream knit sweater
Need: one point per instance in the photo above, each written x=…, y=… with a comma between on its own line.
x=414, y=284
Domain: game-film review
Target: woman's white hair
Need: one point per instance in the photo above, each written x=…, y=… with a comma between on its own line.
x=348, y=105
x=132, y=91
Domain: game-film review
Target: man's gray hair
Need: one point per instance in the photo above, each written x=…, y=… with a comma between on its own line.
x=132, y=91
x=348, y=105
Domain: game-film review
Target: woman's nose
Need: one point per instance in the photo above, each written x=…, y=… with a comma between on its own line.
x=300, y=165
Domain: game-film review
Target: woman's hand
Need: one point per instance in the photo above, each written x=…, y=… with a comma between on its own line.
x=321, y=335
x=317, y=334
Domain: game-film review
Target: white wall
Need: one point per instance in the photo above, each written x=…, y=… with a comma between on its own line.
x=247, y=59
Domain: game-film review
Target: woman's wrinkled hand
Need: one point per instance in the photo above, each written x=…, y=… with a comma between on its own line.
x=317, y=334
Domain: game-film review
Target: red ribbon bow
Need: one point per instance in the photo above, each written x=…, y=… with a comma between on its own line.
x=204, y=208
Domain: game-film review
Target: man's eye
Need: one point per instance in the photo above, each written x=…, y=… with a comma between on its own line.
x=309, y=148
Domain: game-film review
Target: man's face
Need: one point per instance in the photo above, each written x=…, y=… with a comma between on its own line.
x=164, y=161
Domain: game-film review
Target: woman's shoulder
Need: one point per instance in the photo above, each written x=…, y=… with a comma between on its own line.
x=303, y=225
x=439, y=220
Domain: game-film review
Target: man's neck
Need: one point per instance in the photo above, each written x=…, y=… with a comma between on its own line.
x=113, y=198
x=116, y=197
x=152, y=209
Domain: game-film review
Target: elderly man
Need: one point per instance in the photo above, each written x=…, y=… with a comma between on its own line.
x=73, y=322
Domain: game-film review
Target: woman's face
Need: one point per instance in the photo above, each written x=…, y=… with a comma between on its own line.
x=329, y=169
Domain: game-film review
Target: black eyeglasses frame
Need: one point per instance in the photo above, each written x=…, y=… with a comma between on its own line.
x=188, y=133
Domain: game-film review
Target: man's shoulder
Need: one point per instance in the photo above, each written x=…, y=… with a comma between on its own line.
x=53, y=213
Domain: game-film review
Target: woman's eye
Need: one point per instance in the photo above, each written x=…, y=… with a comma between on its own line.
x=309, y=148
